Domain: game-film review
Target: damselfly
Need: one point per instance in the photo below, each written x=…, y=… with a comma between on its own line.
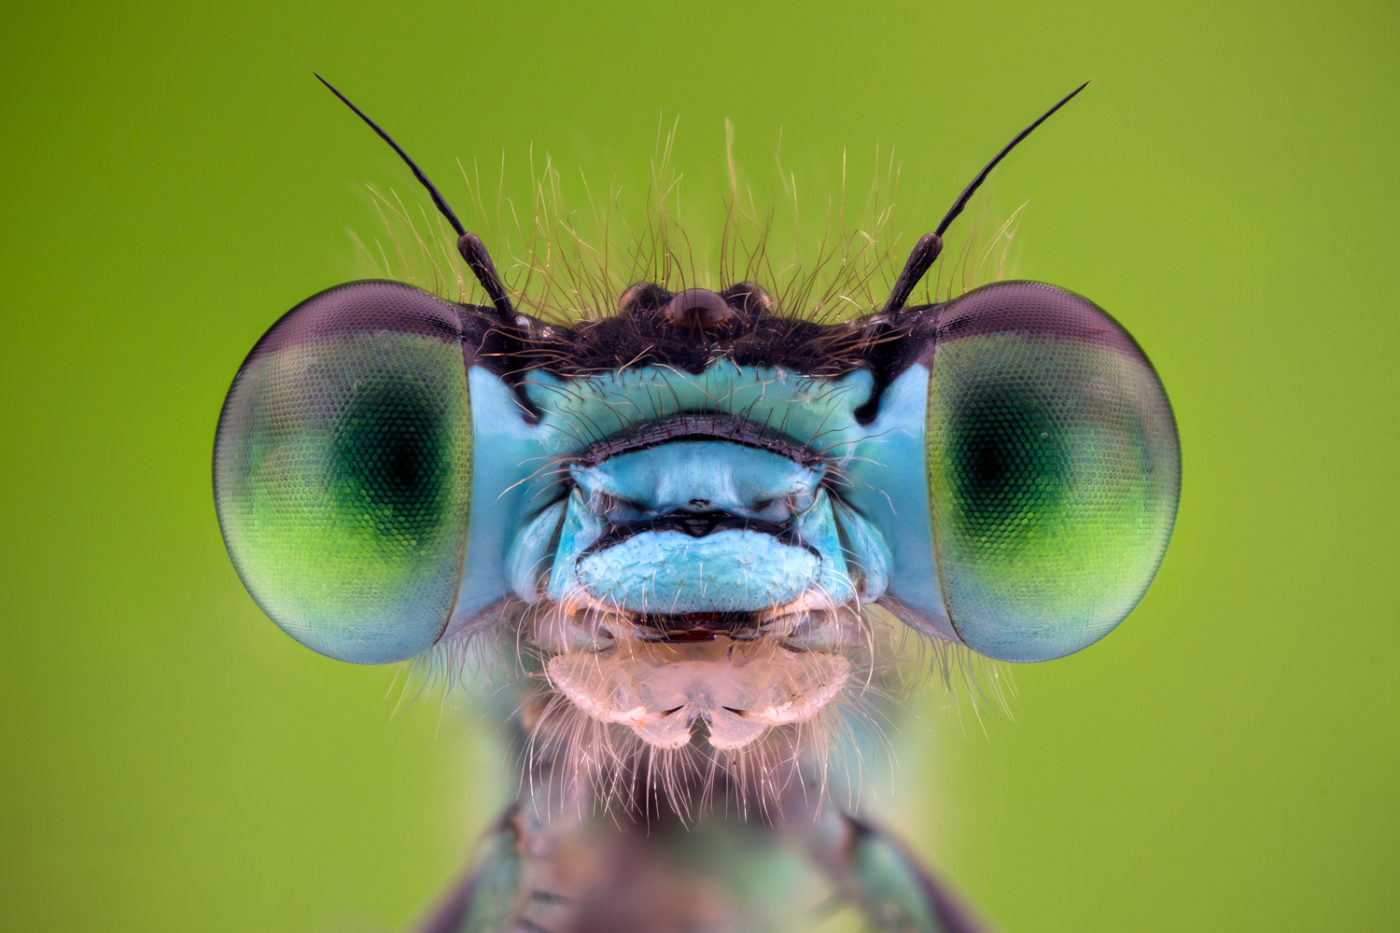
x=694, y=525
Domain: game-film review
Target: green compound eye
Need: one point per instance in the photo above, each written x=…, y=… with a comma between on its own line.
x=1053, y=470
x=342, y=471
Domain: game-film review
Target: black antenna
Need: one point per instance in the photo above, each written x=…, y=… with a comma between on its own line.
x=468, y=244
x=931, y=244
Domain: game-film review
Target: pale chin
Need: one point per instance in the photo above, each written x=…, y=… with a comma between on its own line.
x=725, y=692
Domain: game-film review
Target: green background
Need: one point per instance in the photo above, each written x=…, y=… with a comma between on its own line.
x=1226, y=187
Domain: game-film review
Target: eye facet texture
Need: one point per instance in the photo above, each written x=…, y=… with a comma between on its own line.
x=1054, y=470
x=342, y=471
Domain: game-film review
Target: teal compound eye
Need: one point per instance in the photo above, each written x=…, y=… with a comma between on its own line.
x=1053, y=470
x=342, y=471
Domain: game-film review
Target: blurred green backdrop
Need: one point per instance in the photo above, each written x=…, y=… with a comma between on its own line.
x=1226, y=187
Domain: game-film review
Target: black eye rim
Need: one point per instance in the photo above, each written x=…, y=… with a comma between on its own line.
x=1034, y=309
x=362, y=307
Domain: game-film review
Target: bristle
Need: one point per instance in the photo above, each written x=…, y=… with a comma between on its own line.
x=571, y=264
x=568, y=255
x=565, y=264
x=584, y=766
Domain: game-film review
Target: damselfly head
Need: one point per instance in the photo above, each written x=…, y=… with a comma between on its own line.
x=682, y=512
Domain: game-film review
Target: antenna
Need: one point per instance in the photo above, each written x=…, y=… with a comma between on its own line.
x=925, y=251
x=468, y=244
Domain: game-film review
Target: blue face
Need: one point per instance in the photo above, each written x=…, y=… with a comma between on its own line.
x=692, y=508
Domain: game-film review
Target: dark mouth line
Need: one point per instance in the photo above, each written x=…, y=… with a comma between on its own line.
x=699, y=626
x=700, y=426
x=791, y=629
x=697, y=525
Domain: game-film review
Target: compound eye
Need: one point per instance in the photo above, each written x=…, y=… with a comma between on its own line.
x=1054, y=470
x=342, y=471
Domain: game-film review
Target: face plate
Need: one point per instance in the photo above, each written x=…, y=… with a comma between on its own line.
x=692, y=521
